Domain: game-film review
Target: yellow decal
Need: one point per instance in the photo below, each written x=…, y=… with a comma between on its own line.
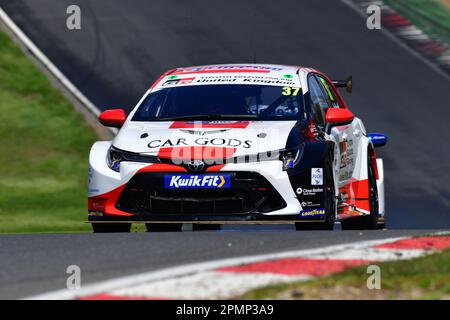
x=325, y=84
x=290, y=91
x=222, y=182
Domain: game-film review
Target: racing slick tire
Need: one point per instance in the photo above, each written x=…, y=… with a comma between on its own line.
x=205, y=227
x=111, y=227
x=330, y=206
x=368, y=222
x=163, y=227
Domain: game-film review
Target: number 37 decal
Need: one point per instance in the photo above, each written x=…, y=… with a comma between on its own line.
x=290, y=91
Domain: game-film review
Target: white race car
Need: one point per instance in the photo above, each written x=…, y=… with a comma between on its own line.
x=232, y=144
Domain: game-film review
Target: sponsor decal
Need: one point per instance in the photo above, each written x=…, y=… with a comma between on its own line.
x=214, y=79
x=209, y=124
x=92, y=191
x=343, y=151
x=309, y=204
x=196, y=165
x=312, y=213
x=226, y=68
x=175, y=81
x=202, y=133
x=201, y=181
x=89, y=174
x=232, y=79
x=268, y=80
x=201, y=142
x=309, y=192
x=346, y=149
x=316, y=176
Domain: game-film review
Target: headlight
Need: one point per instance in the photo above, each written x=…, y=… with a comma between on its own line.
x=116, y=156
x=291, y=157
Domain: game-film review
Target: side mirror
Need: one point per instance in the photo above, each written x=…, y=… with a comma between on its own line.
x=378, y=139
x=113, y=118
x=338, y=116
x=347, y=84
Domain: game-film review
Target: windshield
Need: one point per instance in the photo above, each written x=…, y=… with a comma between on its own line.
x=229, y=102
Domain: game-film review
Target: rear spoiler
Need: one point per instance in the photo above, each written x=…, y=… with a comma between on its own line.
x=347, y=84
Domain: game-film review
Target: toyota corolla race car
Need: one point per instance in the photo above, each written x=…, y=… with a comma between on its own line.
x=221, y=144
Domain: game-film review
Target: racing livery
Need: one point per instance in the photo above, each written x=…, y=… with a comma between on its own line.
x=243, y=143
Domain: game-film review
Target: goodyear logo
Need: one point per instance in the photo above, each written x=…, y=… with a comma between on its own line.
x=312, y=213
x=205, y=181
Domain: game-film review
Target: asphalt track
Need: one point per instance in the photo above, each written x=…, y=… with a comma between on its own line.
x=33, y=264
x=124, y=46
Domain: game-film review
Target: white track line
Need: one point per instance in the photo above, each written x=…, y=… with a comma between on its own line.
x=373, y=254
x=195, y=268
x=223, y=284
x=205, y=285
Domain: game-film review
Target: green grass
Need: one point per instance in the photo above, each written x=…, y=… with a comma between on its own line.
x=430, y=16
x=422, y=278
x=44, y=147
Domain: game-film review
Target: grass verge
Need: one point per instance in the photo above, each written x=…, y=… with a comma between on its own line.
x=422, y=278
x=44, y=146
x=431, y=16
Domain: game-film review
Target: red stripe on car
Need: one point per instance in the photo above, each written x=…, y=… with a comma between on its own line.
x=162, y=167
x=106, y=202
x=216, y=167
x=221, y=71
x=205, y=124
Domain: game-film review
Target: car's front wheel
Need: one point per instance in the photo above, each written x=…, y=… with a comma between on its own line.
x=111, y=227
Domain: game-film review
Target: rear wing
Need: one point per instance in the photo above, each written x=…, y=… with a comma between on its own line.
x=347, y=84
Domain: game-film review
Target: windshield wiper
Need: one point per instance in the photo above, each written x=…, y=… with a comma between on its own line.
x=210, y=117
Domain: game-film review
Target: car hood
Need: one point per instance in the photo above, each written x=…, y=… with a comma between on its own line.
x=234, y=137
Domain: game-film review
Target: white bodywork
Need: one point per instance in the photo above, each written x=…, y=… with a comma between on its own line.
x=103, y=181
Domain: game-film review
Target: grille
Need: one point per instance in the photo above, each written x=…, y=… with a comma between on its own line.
x=249, y=193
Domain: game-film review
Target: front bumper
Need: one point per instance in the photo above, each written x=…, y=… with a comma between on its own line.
x=125, y=195
x=249, y=192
